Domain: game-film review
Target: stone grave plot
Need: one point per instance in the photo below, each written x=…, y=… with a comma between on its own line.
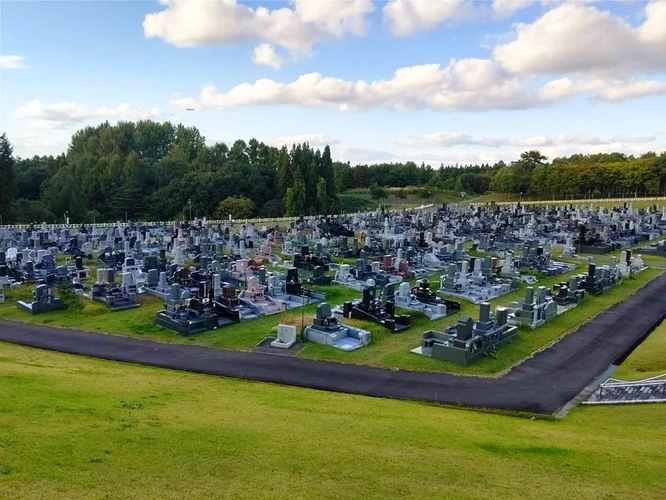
x=374, y=309
x=116, y=297
x=289, y=289
x=327, y=329
x=477, y=286
x=535, y=310
x=255, y=293
x=285, y=344
x=421, y=298
x=43, y=301
x=187, y=314
x=468, y=340
x=357, y=277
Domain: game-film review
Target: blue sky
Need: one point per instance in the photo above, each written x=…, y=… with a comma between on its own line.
x=563, y=77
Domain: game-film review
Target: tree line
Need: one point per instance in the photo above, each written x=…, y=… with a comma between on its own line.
x=160, y=171
x=577, y=176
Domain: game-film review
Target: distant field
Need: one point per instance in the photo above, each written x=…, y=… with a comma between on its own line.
x=497, y=197
x=386, y=350
x=648, y=360
x=361, y=197
x=73, y=427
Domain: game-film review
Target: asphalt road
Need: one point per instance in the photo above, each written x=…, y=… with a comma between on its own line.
x=541, y=384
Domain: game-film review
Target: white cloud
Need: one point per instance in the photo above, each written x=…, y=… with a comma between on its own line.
x=506, y=8
x=191, y=23
x=313, y=139
x=26, y=146
x=12, y=62
x=576, y=38
x=465, y=84
x=66, y=114
x=265, y=54
x=589, y=140
x=406, y=17
x=360, y=155
x=450, y=139
x=600, y=89
x=453, y=139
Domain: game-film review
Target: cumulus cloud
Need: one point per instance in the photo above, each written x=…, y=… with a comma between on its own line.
x=452, y=139
x=12, y=62
x=66, y=114
x=265, y=54
x=464, y=84
x=604, y=90
x=589, y=140
x=26, y=146
x=191, y=23
x=589, y=53
x=578, y=38
x=506, y=8
x=361, y=155
x=312, y=139
x=407, y=17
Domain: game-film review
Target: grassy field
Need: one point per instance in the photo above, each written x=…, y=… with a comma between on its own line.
x=365, y=202
x=72, y=427
x=504, y=198
x=386, y=350
x=648, y=360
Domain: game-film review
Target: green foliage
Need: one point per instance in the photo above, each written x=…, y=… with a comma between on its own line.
x=377, y=192
x=7, y=178
x=161, y=171
x=238, y=207
x=31, y=211
x=295, y=199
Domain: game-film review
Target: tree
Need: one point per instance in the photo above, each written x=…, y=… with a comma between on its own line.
x=7, y=178
x=401, y=194
x=426, y=193
x=239, y=207
x=322, y=197
x=294, y=200
x=377, y=192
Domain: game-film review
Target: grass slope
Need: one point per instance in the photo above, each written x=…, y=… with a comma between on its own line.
x=648, y=360
x=73, y=427
x=386, y=350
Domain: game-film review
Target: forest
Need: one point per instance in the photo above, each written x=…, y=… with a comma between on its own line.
x=161, y=171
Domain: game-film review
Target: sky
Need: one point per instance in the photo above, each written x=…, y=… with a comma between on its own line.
x=434, y=81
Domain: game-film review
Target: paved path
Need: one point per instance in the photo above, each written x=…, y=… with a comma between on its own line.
x=542, y=384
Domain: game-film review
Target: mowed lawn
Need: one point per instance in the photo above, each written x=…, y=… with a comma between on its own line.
x=73, y=427
x=386, y=350
x=648, y=360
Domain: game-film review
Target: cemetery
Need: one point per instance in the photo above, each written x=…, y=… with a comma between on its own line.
x=416, y=272
x=417, y=298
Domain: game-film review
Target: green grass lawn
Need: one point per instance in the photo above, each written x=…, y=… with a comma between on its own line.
x=386, y=350
x=512, y=198
x=73, y=427
x=648, y=360
x=365, y=202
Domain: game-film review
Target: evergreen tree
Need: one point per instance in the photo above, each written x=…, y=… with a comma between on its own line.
x=7, y=178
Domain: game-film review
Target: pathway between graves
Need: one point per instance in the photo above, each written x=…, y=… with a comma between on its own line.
x=541, y=384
